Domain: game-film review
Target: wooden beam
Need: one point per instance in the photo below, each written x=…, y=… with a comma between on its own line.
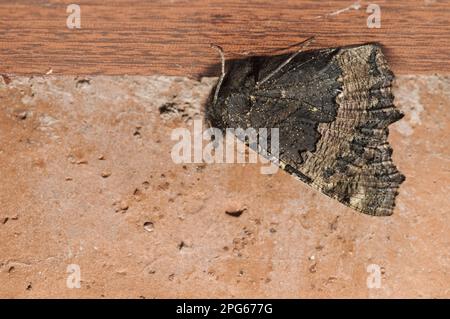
x=172, y=36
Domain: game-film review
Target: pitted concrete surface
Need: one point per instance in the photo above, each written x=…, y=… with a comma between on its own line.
x=87, y=180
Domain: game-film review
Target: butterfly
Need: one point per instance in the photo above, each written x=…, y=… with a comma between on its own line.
x=332, y=107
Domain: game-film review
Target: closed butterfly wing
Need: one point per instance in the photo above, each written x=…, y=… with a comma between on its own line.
x=332, y=108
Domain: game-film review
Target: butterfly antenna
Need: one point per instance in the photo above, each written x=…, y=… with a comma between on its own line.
x=222, y=75
x=302, y=45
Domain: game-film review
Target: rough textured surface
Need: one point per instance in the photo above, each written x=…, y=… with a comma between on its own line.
x=332, y=108
x=87, y=179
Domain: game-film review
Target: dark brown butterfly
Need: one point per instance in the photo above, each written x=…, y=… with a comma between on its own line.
x=332, y=107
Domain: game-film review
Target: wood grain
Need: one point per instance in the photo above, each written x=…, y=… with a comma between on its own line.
x=172, y=37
